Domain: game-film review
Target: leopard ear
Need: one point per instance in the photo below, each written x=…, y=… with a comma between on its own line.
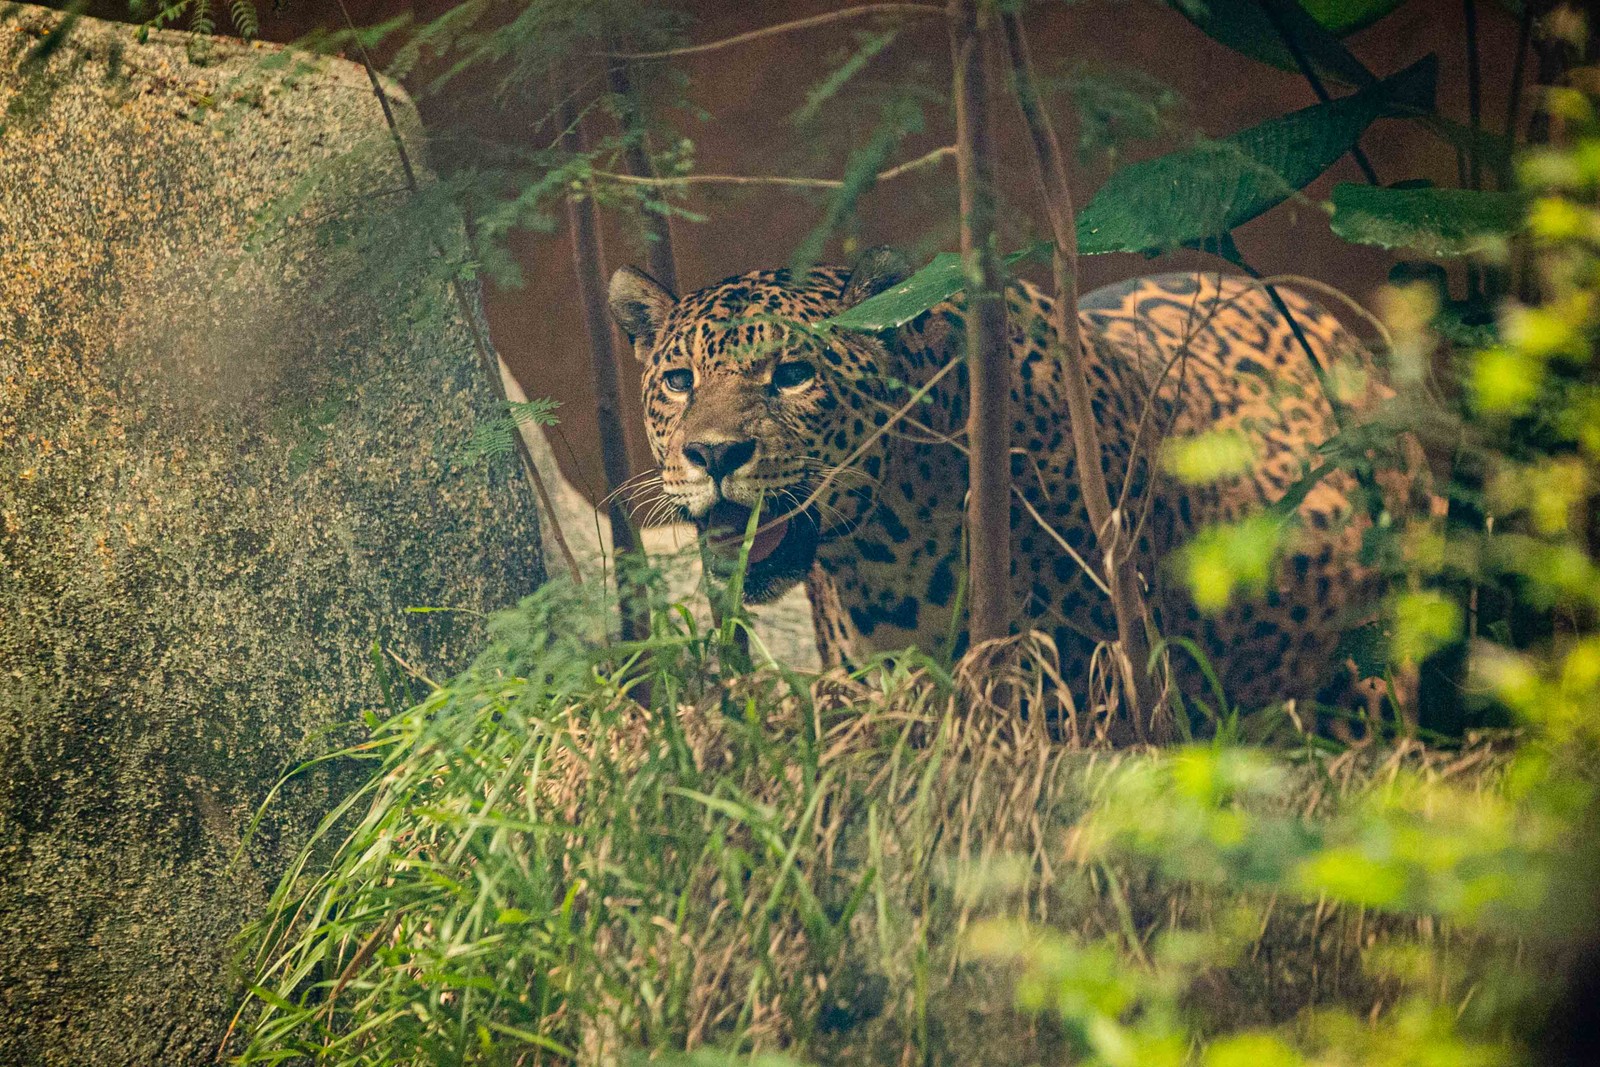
x=639, y=303
x=875, y=270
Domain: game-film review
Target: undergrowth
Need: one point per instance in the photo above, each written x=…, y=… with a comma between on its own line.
x=589, y=851
x=879, y=867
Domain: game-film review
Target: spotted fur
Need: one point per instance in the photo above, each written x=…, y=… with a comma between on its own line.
x=880, y=540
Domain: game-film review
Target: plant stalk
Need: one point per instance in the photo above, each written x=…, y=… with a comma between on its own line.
x=489, y=362
x=1150, y=722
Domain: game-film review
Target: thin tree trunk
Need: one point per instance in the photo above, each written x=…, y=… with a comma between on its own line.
x=588, y=261
x=988, y=356
x=1132, y=615
x=659, y=258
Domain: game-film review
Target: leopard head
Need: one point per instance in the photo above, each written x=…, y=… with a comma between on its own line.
x=748, y=404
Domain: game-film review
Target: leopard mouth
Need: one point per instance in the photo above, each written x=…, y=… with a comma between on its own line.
x=780, y=553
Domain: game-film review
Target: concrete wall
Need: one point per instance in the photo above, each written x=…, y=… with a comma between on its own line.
x=224, y=477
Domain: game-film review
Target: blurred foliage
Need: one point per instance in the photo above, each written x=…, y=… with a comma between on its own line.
x=1117, y=107
x=867, y=867
x=1437, y=223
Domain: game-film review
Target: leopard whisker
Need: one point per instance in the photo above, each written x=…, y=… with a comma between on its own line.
x=633, y=486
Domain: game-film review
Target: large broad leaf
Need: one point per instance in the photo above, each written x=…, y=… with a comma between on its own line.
x=935, y=283
x=1202, y=193
x=1433, y=222
x=1257, y=28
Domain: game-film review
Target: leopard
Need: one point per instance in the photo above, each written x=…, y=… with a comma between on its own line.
x=851, y=442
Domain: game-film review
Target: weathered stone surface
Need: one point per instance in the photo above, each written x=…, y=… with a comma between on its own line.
x=223, y=478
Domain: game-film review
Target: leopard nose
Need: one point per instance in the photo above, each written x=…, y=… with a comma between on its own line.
x=719, y=458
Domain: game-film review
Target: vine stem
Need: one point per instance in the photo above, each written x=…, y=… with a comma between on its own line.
x=469, y=317
x=1132, y=614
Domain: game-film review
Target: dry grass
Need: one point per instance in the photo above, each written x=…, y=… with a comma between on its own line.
x=769, y=861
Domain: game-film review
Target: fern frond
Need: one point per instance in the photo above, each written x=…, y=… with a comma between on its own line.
x=539, y=412
x=200, y=20
x=495, y=437
x=243, y=15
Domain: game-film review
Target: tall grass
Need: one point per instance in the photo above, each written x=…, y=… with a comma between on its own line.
x=854, y=867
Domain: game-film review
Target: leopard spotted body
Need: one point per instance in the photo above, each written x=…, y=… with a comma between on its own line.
x=746, y=405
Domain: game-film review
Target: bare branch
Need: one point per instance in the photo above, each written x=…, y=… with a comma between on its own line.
x=907, y=167
x=914, y=10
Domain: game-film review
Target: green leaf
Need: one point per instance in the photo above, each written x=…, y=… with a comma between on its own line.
x=1228, y=558
x=1493, y=149
x=1187, y=197
x=1434, y=222
x=1466, y=324
x=1202, y=193
x=1367, y=646
x=935, y=283
x=1256, y=28
x=1424, y=621
x=1208, y=457
x=1251, y=1050
x=1343, y=17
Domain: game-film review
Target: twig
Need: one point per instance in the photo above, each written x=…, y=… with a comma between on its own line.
x=1083, y=564
x=1350, y=302
x=935, y=437
x=784, y=27
x=944, y=152
x=489, y=362
x=861, y=449
x=774, y=179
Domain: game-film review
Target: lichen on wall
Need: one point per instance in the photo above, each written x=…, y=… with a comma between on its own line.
x=232, y=454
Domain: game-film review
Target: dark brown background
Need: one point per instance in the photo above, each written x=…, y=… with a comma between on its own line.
x=749, y=93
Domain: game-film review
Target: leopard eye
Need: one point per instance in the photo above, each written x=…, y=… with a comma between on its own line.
x=794, y=373
x=678, y=380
